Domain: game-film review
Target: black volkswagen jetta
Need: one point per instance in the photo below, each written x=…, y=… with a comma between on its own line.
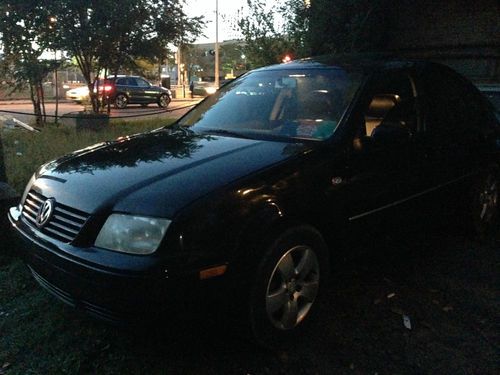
x=259, y=188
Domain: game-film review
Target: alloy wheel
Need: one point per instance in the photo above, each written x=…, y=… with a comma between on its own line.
x=121, y=101
x=488, y=199
x=292, y=287
x=163, y=101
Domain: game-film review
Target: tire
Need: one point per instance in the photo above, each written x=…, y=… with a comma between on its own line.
x=163, y=101
x=484, y=203
x=121, y=101
x=289, y=281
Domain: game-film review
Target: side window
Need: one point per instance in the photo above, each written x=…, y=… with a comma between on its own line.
x=453, y=109
x=131, y=81
x=121, y=81
x=141, y=82
x=391, y=104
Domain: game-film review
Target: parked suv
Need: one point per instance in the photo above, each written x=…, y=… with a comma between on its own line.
x=124, y=90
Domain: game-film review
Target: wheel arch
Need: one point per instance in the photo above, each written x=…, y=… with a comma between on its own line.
x=261, y=230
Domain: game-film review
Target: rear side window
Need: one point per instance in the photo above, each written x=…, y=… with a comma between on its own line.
x=141, y=82
x=454, y=108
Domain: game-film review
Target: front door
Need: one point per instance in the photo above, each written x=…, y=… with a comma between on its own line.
x=376, y=182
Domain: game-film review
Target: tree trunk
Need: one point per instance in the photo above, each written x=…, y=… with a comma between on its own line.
x=36, y=104
x=42, y=102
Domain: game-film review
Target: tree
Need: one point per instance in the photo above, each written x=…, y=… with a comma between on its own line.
x=231, y=56
x=307, y=28
x=25, y=34
x=104, y=36
x=265, y=42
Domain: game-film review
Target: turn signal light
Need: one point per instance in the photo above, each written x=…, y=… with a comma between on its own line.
x=213, y=272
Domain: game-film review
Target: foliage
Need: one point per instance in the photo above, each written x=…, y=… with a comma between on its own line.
x=304, y=28
x=265, y=42
x=105, y=36
x=25, y=34
x=231, y=55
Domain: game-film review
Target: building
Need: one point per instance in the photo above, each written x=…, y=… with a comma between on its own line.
x=462, y=34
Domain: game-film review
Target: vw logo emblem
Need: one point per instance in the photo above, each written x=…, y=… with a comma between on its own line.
x=45, y=212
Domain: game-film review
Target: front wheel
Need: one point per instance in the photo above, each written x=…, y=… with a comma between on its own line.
x=121, y=101
x=163, y=101
x=289, y=281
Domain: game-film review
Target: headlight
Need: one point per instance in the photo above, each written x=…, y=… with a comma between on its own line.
x=210, y=90
x=132, y=234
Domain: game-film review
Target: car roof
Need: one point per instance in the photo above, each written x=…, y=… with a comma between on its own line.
x=362, y=62
x=122, y=76
x=489, y=87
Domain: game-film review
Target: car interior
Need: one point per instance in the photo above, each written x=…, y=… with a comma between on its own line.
x=392, y=107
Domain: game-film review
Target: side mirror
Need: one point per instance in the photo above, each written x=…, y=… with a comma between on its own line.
x=391, y=133
x=363, y=144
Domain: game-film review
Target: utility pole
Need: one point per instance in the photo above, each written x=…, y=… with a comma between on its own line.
x=217, y=44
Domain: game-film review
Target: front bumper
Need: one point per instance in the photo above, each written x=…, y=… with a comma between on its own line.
x=121, y=293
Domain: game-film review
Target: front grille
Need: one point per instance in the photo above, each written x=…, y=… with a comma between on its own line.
x=65, y=223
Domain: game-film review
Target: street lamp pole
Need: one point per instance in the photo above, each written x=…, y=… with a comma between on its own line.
x=217, y=43
x=52, y=25
x=57, y=86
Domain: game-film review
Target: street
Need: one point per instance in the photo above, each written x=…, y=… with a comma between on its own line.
x=132, y=112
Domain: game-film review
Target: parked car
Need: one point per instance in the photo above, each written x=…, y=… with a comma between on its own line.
x=256, y=192
x=78, y=94
x=123, y=90
x=492, y=92
x=206, y=88
x=203, y=88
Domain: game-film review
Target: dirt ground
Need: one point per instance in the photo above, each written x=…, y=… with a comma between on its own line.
x=418, y=306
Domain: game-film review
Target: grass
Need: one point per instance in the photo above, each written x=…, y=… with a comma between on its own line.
x=24, y=152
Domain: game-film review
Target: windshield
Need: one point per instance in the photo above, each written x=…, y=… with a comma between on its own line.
x=295, y=104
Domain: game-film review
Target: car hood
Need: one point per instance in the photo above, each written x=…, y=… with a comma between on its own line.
x=155, y=173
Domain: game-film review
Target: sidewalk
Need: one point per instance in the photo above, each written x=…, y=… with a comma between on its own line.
x=52, y=101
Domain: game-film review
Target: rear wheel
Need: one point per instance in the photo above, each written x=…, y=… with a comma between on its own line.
x=163, y=101
x=121, y=101
x=288, y=283
x=484, y=203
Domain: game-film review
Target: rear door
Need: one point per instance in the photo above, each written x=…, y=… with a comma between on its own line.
x=454, y=140
x=133, y=90
x=146, y=92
